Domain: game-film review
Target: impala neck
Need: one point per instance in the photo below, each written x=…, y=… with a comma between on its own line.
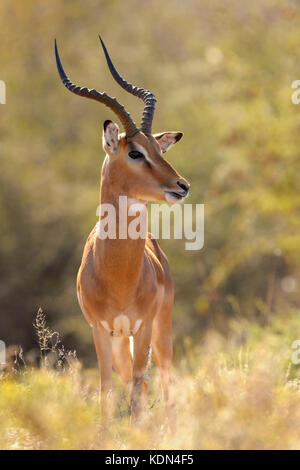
x=118, y=261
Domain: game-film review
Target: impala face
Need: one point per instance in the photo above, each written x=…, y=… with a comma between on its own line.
x=136, y=156
x=147, y=175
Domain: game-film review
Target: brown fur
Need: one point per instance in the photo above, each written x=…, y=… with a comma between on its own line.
x=130, y=277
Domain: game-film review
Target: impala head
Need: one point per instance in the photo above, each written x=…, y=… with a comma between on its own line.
x=135, y=158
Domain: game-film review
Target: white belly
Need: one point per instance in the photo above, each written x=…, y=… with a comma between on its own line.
x=121, y=326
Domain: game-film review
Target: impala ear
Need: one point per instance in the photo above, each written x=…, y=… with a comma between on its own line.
x=167, y=139
x=110, y=136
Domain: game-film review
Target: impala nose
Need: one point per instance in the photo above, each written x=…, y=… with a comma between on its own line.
x=184, y=186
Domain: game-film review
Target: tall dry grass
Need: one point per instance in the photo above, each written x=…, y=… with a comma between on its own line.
x=239, y=393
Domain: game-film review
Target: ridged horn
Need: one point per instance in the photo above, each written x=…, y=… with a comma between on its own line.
x=130, y=127
x=145, y=95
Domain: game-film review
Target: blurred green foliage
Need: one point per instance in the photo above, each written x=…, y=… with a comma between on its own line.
x=222, y=73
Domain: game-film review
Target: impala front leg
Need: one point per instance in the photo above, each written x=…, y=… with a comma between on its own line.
x=162, y=349
x=141, y=353
x=103, y=345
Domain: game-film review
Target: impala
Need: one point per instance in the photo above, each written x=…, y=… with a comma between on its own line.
x=124, y=286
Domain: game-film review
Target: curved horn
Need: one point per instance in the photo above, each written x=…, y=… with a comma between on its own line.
x=125, y=118
x=145, y=95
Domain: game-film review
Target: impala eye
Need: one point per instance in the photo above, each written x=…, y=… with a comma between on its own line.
x=135, y=155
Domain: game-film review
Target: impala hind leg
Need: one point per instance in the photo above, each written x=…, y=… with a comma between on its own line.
x=122, y=359
x=140, y=359
x=162, y=349
x=103, y=345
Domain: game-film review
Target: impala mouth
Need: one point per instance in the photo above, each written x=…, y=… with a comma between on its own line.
x=175, y=196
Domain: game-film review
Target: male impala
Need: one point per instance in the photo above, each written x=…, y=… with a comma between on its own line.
x=124, y=286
